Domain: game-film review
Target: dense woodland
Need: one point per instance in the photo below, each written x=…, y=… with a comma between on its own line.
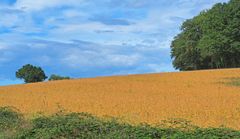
x=210, y=40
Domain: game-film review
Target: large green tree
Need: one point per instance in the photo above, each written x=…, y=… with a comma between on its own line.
x=31, y=74
x=210, y=40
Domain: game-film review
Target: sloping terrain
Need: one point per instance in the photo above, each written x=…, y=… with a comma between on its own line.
x=203, y=97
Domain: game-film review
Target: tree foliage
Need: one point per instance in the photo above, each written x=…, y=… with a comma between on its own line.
x=57, y=77
x=210, y=40
x=31, y=74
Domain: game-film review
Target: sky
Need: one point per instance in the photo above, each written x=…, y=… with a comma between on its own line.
x=90, y=38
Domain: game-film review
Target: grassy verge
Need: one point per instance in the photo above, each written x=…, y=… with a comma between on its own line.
x=81, y=125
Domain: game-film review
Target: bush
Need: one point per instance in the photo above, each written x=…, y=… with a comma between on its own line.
x=57, y=77
x=9, y=118
x=10, y=122
x=81, y=125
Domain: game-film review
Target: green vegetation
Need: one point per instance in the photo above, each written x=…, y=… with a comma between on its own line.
x=80, y=125
x=31, y=74
x=234, y=82
x=57, y=77
x=9, y=118
x=209, y=40
x=10, y=122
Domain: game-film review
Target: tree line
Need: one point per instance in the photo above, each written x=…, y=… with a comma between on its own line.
x=32, y=74
x=210, y=40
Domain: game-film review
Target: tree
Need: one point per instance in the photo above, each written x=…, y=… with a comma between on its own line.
x=210, y=40
x=31, y=74
x=57, y=77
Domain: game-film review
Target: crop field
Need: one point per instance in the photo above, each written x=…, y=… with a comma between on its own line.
x=208, y=98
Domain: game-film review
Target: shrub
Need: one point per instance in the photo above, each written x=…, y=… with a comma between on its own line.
x=9, y=118
x=82, y=125
x=57, y=77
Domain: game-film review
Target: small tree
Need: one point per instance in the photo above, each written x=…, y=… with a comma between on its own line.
x=57, y=77
x=31, y=74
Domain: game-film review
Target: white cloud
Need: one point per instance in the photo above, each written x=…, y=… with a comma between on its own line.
x=103, y=57
x=2, y=47
x=42, y=4
x=73, y=13
x=8, y=20
x=166, y=20
x=5, y=54
x=162, y=67
x=124, y=60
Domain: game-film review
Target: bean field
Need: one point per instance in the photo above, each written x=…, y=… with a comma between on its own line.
x=209, y=98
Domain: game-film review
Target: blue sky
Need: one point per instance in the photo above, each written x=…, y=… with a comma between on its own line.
x=89, y=38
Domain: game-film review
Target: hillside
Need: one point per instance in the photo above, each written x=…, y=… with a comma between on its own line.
x=203, y=97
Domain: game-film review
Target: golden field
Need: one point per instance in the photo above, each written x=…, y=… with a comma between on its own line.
x=199, y=96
